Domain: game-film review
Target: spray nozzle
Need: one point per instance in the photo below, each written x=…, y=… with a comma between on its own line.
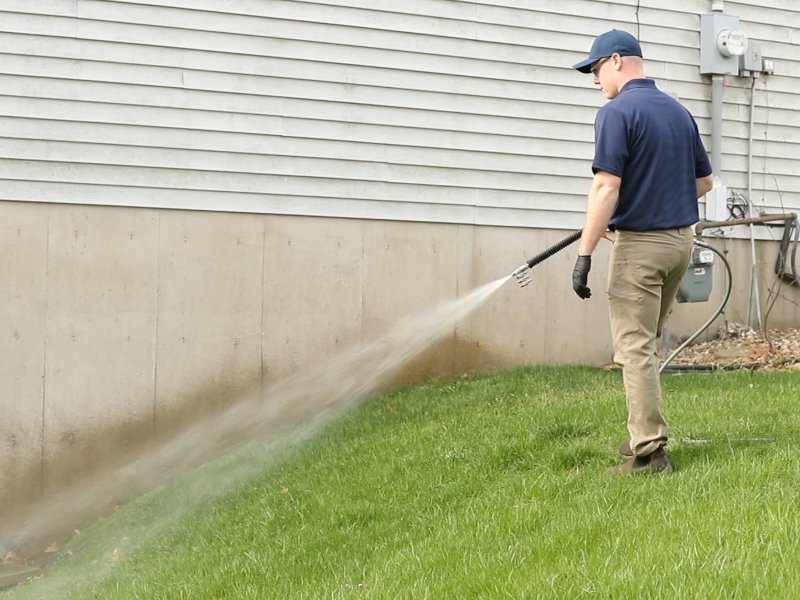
x=523, y=275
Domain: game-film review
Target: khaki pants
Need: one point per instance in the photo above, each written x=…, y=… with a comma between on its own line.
x=645, y=272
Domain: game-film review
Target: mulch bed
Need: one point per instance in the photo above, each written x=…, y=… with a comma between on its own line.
x=742, y=347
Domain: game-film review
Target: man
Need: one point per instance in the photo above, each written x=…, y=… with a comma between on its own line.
x=650, y=168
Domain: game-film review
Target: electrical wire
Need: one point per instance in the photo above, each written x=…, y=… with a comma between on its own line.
x=738, y=208
x=707, y=324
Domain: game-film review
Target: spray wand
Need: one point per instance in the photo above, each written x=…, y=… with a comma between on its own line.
x=522, y=274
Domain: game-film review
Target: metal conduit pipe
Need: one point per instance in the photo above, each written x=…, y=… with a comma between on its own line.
x=755, y=301
x=702, y=226
x=717, y=91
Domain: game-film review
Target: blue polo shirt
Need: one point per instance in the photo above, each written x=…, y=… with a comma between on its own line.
x=649, y=140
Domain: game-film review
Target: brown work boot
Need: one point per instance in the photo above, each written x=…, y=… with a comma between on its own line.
x=625, y=449
x=657, y=462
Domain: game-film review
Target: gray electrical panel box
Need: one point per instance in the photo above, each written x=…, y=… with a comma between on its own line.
x=712, y=60
x=696, y=282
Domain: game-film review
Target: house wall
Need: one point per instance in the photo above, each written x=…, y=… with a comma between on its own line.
x=442, y=111
x=198, y=197
x=122, y=323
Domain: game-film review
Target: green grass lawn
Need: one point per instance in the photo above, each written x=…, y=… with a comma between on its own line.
x=485, y=487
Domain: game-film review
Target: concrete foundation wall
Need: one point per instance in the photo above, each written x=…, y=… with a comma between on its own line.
x=121, y=323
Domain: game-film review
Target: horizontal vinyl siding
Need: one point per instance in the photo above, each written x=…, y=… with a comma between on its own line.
x=776, y=118
x=287, y=107
x=436, y=110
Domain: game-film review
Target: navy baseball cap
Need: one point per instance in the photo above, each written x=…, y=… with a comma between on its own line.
x=606, y=44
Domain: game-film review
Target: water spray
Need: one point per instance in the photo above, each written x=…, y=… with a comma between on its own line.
x=283, y=413
x=523, y=275
x=291, y=409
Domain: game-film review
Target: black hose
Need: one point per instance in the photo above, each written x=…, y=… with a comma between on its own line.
x=705, y=325
x=785, y=255
x=682, y=368
x=751, y=366
x=557, y=247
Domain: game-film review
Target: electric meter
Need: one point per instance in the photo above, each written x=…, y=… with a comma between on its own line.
x=732, y=42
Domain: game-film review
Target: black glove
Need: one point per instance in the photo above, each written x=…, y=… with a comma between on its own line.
x=580, y=276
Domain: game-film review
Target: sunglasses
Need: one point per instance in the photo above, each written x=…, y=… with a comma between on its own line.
x=598, y=65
